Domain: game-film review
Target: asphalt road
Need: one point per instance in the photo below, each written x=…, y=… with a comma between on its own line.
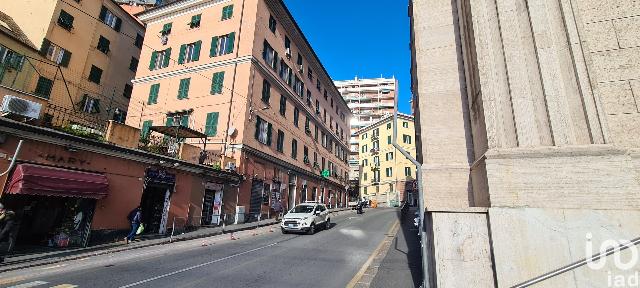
x=330, y=258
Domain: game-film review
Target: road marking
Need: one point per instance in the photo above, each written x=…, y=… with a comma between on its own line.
x=366, y=265
x=65, y=286
x=196, y=266
x=30, y=284
x=11, y=280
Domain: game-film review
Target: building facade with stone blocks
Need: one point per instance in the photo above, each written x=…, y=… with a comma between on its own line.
x=97, y=45
x=386, y=174
x=243, y=74
x=527, y=127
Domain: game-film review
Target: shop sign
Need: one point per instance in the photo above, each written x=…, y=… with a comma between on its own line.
x=160, y=176
x=325, y=173
x=63, y=159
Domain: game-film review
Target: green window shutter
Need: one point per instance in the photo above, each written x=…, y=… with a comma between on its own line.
x=169, y=121
x=230, y=40
x=66, y=57
x=45, y=46
x=269, y=128
x=146, y=126
x=214, y=47
x=154, y=58
x=211, y=128
x=183, y=52
x=389, y=139
x=153, y=94
x=258, y=121
x=229, y=11
x=166, y=29
x=167, y=56
x=196, y=51
x=184, y=121
x=183, y=90
x=217, y=83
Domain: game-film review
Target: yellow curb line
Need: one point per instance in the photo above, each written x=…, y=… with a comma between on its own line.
x=366, y=265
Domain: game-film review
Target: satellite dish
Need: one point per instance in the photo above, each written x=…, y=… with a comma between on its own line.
x=232, y=131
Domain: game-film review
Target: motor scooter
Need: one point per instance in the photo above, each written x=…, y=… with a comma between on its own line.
x=359, y=208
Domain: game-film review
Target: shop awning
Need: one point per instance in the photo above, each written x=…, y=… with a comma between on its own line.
x=34, y=179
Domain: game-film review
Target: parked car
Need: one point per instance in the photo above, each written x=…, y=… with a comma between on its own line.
x=306, y=217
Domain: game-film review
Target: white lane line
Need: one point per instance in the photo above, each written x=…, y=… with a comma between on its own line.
x=30, y=284
x=196, y=266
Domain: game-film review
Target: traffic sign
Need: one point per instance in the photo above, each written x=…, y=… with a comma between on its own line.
x=325, y=173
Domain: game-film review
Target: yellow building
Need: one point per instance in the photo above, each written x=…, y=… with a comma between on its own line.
x=96, y=43
x=385, y=174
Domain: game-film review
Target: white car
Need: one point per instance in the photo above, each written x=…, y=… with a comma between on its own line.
x=306, y=217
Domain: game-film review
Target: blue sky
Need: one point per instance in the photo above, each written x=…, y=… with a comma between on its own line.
x=358, y=37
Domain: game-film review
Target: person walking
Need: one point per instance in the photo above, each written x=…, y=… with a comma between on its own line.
x=135, y=218
x=7, y=231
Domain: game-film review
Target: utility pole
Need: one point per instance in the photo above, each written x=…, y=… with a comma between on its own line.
x=423, y=232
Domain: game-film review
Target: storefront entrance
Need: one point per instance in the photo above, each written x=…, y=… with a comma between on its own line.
x=255, y=204
x=55, y=206
x=156, y=200
x=212, y=204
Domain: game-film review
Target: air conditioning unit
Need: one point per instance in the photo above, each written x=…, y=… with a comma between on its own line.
x=18, y=106
x=287, y=52
x=301, y=68
x=231, y=166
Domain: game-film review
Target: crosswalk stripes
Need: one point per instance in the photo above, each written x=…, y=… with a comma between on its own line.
x=30, y=284
x=40, y=283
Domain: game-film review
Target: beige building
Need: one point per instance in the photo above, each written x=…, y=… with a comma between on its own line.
x=96, y=43
x=528, y=127
x=385, y=174
x=370, y=100
x=243, y=74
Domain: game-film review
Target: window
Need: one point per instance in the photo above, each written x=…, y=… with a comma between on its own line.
x=280, y=141
x=263, y=131
x=266, y=91
x=43, y=88
x=389, y=172
x=217, y=82
x=364, y=136
x=222, y=45
x=388, y=139
x=317, y=107
x=95, y=74
x=90, y=104
x=364, y=148
x=54, y=53
x=133, y=65
x=287, y=46
x=127, y=91
x=407, y=171
x=376, y=176
x=269, y=55
x=294, y=148
x=139, y=41
x=305, y=155
x=307, y=126
x=376, y=160
x=177, y=119
x=310, y=75
x=183, y=89
x=189, y=52
x=65, y=20
x=166, y=29
x=389, y=156
x=103, y=45
x=365, y=162
x=325, y=94
x=195, y=21
x=153, y=94
x=283, y=105
x=323, y=160
x=107, y=17
x=299, y=62
x=406, y=139
x=331, y=102
x=272, y=24
x=315, y=137
x=324, y=139
x=298, y=86
x=285, y=72
x=160, y=59
x=308, y=98
x=211, y=125
x=227, y=12
x=296, y=115
x=119, y=115
x=405, y=124
x=146, y=127
x=388, y=126
x=364, y=190
x=318, y=84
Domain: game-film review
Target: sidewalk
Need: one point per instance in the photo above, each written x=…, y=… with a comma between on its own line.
x=16, y=262
x=398, y=263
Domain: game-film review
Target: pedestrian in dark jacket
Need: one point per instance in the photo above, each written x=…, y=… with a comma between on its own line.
x=135, y=218
x=7, y=230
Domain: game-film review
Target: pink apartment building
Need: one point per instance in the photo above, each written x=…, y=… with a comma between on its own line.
x=241, y=74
